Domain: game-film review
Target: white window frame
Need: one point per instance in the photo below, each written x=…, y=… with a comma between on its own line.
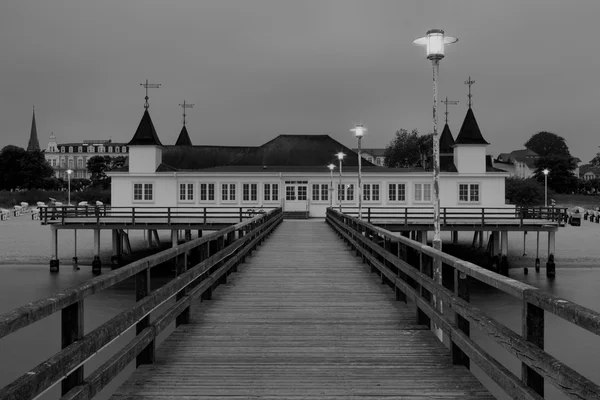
x=144, y=185
x=186, y=193
x=368, y=192
x=396, y=192
x=123, y=149
x=117, y=149
x=70, y=149
x=231, y=190
x=208, y=198
x=469, y=189
x=271, y=192
x=319, y=198
x=80, y=149
x=422, y=191
x=250, y=186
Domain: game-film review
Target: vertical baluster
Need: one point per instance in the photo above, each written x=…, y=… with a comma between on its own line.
x=72, y=330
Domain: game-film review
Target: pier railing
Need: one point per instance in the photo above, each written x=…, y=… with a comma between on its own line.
x=144, y=215
x=434, y=281
x=453, y=215
x=201, y=264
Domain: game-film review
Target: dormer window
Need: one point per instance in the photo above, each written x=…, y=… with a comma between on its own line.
x=80, y=149
x=124, y=149
x=70, y=149
x=110, y=149
x=90, y=149
x=117, y=149
x=101, y=149
x=62, y=149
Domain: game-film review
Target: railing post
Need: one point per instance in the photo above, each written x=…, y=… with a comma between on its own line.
x=426, y=268
x=405, y=216
x=132, y=215
x=445, y=222
x=369, y=215
x=241, y=215
x=72, y=331
x=168, y=215
x=204, y=215
x=142, y=289
x=533, y=331
x=97, y=212
x=461, y=289
x=482, y=216
x=62, y=214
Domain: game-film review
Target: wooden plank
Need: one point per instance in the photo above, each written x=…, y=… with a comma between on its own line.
x=302, y=321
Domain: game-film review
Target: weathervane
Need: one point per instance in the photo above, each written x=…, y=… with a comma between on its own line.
x=470, y=83
x=446, y=102
x=148, y=85
x=184, y=106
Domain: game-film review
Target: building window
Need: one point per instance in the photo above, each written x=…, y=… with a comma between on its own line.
x=207, y=192
x=117, y=149
x=110, y=149
x=62, y=149
x=90, y=149
x=320, y=192
x=397, y=192
x=341, y=193
x=350, y=192
x=371, y=192
x=71, y=163
x=80, y=149
x=422, y=192
x=271, y=192
x=143, y=191
x=70, y=149
x=468, y=192
x=186, y=192
x=250, y=192
x=101, y=149
x=123, y=149
x=228, y=192
x=80, y=163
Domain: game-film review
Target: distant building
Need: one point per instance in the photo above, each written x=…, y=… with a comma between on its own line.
x=519, y=163
x=376, y=156
x=75, y=155
x=34, y=143
x=588, y=172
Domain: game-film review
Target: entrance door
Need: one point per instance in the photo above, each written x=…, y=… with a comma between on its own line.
x=296, y=196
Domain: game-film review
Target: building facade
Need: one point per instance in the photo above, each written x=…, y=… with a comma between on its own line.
x=290, y=171
x=375, y=156
x=519, y=163
x=74, y=156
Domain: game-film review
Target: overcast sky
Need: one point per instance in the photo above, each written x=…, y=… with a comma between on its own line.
x=258, y=68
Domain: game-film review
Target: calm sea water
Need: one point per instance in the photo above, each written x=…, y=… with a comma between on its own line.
x=24, y=350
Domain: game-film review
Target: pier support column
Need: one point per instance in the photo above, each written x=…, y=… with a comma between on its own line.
x=199, y=233
x=75, y=259
x=537, y=252
x=149, y=238
x=422, y=237
x=454, y=236
x=481, y=239
x=174, y=237
x=550, y=265
x=503, y=253
x=188, y=235
x=525, y=269
x=96, y=263
x=54, y=263
x=114, y=258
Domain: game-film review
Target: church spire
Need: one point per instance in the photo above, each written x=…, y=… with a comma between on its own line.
x=34, y=143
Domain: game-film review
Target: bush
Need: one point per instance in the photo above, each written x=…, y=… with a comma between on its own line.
x=524, y=192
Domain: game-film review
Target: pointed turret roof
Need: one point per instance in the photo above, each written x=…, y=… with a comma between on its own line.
x=469, y=131
x=184, y=138
x=34, y=143
x=145, y=135
x=446, y=140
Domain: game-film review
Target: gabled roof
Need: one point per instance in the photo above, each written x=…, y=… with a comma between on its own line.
x=446, y=140
x=526, y=156
x=589, y=168
x=34, y=143
x=469, y=131
x=200, y=157
x=145, y=135
x=489, y=165
x=184, y=138
x=300, y=150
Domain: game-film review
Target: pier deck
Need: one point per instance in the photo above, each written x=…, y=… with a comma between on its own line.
x=303, y=318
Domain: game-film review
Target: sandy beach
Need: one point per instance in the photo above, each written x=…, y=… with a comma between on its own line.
x=26, y=241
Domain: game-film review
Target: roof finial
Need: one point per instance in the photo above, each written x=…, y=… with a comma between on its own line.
x=446, y=102
x=184, y=106
x=148, y=85
x=470, y=83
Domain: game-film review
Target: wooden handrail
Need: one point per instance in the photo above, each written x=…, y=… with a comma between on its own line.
x=406, y=266
x=77, y=348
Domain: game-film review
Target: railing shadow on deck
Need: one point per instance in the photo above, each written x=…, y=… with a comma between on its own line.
x=434, y=280
x=201, y=265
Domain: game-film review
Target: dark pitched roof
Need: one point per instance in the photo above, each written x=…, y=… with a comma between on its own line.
x=34, y=143
x=526, y=156
x=469, y=131
x=200, y=157
x=589, y=168
x=300, y=150
x=145, y=135
x=184, y=138
x=489, y=165
x=446, y=140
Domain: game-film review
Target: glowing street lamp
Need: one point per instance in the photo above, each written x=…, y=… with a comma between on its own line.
x=359, y=132
x=546, y=171
x=331, y=168
x=434, y=42
x=340, y=157
x=69, y=172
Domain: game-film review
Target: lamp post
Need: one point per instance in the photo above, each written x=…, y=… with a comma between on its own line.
x=340, y=157
x=331, y=168
x=546, y=171
x=434, y=40
x=359, y=132
x=69, y=172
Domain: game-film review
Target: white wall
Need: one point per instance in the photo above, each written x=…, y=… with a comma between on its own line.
x=144, y=158
x=470, y=158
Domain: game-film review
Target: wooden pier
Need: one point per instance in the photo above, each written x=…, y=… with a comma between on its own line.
x=308, y=316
